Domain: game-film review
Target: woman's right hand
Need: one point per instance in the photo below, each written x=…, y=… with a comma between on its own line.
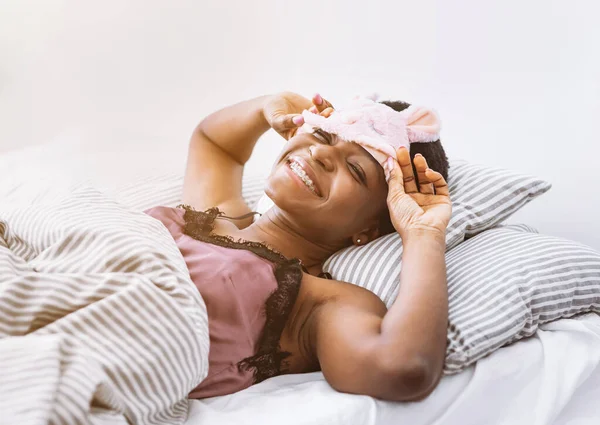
x=283, y=111
x=423, y=208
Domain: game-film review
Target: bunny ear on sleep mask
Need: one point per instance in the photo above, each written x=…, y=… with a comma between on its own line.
x=377, y=127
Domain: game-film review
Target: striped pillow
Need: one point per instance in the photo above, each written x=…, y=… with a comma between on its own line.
x=505, y=282
x=482, y=197
x=166, y=189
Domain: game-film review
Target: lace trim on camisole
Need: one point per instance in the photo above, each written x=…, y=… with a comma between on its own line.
x=269, y=360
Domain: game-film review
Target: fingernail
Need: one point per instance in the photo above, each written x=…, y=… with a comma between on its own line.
x=386, y=172
x=318, y=99
x=298, y=120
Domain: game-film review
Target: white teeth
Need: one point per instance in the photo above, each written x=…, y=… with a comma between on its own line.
x=297, y=169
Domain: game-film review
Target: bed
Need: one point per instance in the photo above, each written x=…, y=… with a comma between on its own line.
x=551, y=378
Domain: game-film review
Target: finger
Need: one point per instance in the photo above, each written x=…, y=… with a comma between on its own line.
x=410, y=184
x=313, y=109
x=327, y=112
x=393, y=176
x=438, y=181
x=320, y=103
x=287, y=121
x=425, y=185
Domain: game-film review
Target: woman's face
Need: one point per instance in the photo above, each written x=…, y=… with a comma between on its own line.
x=331, y=189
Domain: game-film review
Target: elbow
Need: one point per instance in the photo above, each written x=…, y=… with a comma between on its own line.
x=200, y=133
x=417, y=381
x=412, y=380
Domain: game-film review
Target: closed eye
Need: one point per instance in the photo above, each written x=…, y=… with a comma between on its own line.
x=360, y=173
x=323, y=136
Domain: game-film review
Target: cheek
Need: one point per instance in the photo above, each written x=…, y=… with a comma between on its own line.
x=360, y=206
x=347, y=211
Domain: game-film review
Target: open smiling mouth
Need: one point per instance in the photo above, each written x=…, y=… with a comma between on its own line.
x=299, y=171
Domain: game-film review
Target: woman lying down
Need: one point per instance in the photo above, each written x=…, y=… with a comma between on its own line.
x=344, y=177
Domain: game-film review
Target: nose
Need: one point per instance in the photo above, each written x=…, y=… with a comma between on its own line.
x=325, y=155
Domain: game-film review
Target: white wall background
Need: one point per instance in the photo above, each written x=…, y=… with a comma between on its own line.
x=517, y=83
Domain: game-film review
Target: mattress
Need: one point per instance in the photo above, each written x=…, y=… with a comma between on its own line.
x=552, y=378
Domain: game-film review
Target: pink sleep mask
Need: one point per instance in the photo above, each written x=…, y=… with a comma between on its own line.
x=377, y=127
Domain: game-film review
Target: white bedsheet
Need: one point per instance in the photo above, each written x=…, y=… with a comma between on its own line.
x=550, y=379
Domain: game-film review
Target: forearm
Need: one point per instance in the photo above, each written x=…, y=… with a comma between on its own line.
x=415, y=326
x=236, y=129
x=400, y=356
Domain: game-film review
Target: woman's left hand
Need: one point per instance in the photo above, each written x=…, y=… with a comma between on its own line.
x=283, y=111
x=416, y=208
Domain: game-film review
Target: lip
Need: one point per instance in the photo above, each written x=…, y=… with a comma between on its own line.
x=309, y=172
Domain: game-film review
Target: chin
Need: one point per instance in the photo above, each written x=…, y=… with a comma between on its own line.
x=286, y=195
x=270, y=193
x=275, y=190
x=279, y=195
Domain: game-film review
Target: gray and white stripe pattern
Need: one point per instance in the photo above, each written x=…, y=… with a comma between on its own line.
x=166, y=190
x=97, y=310
x=151, y=191
x=482, y=198
x=505, y=282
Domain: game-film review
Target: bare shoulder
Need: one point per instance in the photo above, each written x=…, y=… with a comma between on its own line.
x=332, y=292
x=324, y=303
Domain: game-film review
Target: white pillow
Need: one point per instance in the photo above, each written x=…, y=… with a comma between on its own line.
x=482, y=197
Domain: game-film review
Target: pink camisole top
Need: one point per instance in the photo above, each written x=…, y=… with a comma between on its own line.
x=249, y=290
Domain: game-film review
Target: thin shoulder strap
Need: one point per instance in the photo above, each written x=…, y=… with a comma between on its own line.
x=206, y=219
x=199, y=225
x=250, y=214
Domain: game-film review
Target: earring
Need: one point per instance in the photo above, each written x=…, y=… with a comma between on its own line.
x=358, y=241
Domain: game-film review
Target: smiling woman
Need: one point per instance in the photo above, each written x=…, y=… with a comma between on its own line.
x=329, y=191
x=341, y=173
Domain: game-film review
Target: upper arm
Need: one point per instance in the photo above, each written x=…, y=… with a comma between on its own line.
x=213, y=178
x=355, y=357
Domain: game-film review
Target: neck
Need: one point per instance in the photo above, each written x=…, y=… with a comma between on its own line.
x=277, y=231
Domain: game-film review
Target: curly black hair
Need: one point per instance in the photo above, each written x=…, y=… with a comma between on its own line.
x=434, y=154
